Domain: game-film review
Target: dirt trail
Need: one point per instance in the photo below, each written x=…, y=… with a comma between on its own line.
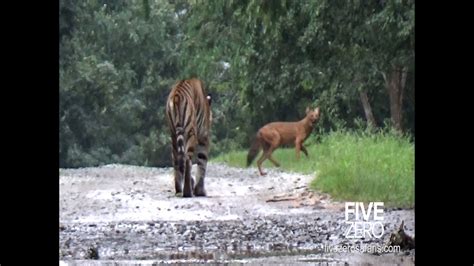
x=130, y=213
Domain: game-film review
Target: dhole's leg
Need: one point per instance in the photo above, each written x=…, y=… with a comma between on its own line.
x=304, y=150
x=202, y=152
x=274, y=161
x=267, y=154
x=298, y=148
x=259, y=164
x=265, y=147
x=271, y=138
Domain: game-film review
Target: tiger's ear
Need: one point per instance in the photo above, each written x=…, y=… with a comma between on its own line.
x=209, y=99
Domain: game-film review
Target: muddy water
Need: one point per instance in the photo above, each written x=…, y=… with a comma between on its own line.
x=129, y=215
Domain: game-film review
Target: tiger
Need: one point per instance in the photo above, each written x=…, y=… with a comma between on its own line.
x=189, y=119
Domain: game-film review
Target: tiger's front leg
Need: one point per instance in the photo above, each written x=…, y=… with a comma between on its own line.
x=178, y=180
x=178, y=171
x=202, y=153
x=188, y=180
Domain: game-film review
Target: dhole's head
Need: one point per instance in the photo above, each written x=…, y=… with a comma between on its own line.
x=312, y=114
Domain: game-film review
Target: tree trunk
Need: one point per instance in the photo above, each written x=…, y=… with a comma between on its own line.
x=367, y=109
x=395, y=84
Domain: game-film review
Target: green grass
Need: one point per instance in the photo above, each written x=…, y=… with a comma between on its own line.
x=351, y=166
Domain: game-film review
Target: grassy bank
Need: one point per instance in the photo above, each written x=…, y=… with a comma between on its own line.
x=351, y=166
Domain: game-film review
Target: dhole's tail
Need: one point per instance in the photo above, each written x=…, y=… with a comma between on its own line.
x=254, y=149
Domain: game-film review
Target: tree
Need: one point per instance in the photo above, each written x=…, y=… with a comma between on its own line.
x=116, y=66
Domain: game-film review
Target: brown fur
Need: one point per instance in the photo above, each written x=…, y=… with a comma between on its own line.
x=275, y=134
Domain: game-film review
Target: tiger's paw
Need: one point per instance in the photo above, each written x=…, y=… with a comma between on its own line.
x=200, y=192
x=189, y=194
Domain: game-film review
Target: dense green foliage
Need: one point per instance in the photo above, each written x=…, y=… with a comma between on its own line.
x=262, y=60
x=356, y=166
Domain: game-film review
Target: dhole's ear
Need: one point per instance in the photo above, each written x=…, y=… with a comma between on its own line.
x=308, y=110
x=317, y=110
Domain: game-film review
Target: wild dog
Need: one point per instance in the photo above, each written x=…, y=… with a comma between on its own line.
x=275, y=134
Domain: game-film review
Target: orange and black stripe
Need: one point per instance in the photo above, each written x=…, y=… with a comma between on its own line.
x=189, y=119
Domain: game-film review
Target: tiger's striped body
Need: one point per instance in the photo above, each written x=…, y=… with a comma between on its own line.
x=189, y=118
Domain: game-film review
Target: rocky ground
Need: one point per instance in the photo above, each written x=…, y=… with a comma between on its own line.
x=120, y=214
